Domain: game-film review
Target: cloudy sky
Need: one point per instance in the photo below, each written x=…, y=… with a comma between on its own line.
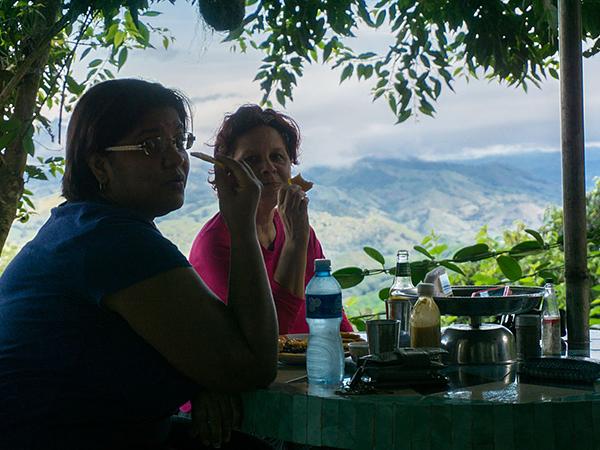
x=340, y=123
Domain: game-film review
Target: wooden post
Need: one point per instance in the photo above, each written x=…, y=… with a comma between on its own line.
x=573, y=176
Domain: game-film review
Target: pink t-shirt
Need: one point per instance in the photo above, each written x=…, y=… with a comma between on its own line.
x=210, y=258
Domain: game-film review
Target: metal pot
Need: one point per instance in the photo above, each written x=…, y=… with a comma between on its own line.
x=483, y=344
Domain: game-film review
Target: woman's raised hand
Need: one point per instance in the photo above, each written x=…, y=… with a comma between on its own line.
x=293, y=209
x=239, y=193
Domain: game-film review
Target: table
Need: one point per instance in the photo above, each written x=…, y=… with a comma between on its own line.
x=495, y=415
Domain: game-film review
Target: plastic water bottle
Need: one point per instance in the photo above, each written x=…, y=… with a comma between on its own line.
x=325, y=354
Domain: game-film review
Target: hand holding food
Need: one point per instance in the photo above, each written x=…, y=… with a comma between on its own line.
x=239, y=192
x=293, y=208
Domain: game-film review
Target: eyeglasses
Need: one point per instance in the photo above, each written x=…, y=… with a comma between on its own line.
x=158, y=145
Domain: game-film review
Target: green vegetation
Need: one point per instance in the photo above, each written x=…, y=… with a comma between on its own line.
x=521, y=255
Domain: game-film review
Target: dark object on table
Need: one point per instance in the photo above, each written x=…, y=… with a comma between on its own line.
x=568, y=370
x=528, y=335
x=405, y=366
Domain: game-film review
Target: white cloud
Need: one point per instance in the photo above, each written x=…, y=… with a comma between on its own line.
x=340, y=123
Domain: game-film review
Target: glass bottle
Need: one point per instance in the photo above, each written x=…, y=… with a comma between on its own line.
x=398, y=304
x=551, y=343
x=425, y=319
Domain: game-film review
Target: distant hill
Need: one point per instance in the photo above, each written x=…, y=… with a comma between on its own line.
x=385, y=203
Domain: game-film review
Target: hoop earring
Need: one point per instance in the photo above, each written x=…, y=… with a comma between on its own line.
x=101, y=186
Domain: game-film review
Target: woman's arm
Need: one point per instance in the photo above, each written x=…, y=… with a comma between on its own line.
x=291, y=268
x=177, y=314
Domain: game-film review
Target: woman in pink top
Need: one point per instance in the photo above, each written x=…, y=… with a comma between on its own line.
x=268, y=142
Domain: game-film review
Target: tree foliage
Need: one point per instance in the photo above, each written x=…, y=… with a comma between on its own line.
x=431, y=44
x=80, y=33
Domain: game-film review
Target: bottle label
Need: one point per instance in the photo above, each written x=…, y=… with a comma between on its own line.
x=327, y=306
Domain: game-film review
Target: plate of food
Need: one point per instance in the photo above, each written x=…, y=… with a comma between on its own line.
x=292, y=347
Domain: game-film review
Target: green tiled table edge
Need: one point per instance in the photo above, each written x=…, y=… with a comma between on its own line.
x=350, y=422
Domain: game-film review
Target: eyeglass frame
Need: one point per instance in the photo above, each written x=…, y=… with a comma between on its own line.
x=189, y=140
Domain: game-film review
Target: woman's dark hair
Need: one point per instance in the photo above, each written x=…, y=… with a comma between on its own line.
x=248, y=117
x=103, y=116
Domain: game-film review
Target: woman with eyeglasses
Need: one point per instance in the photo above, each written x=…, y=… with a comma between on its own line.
x=105, y=328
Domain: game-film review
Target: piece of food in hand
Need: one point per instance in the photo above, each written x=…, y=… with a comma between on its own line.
x=208, y=158
x=305, y=185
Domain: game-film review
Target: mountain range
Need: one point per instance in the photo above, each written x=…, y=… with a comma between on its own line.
x=385, y=203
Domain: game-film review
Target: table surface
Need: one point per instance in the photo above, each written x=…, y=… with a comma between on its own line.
x=480, y=413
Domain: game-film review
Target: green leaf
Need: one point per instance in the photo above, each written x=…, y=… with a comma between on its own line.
x=367, y=55
x=418, y=270
x=404, y=115
x=280, y=97
x=28, y=201
x=452, y=266
x=95, y=63
x=510, y=267
x=546, y=273
x=119, y=38
x=28, y=145
x=74, y=86
x=328, y=49
x=384, y=293
x=373, y=253
x=349, y=276
x=526, y=248
x=438, y=249
x=347, y=72
x=358, y=323
x=144, y=39
x=85, y=53
x=538, y=237
x=423, y=251
x=393, y=104
x=380, y=19
x=122, y=57
x=471, y=253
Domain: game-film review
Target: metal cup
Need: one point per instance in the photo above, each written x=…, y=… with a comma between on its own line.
x=382, y=335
